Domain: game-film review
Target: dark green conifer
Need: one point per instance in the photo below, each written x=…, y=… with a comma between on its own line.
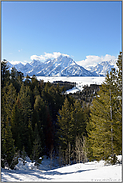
x=37, y=147
x=17, y=124
x=65, y=129
x=5, y=74
x=8, y=145
x=104, y=128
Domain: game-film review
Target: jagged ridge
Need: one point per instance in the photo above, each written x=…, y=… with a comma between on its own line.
x=61, y=66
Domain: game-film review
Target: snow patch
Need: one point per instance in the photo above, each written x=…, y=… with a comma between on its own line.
x=73, y=90
x=49, y=171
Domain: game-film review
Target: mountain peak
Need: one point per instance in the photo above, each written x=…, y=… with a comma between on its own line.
x=35, y=62
x=103, y=67
x=63, y=65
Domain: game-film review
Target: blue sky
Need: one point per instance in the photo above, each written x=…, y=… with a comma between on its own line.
x=78, y=29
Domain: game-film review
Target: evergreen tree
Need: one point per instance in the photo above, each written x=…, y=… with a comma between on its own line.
x=16, y=78
x=8, y=100
x=65, y=129
x=104, y=127
x=34, y=82
x=17, y=125
x=8, y=145
x=79, y=119
x=5, y=74
x=27, y=81
x=49, y=133
x=24, y=98
x=39, y=117
x=37, y=147
x=36, y=91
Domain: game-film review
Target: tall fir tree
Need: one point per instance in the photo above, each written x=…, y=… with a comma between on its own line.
x=8, y=146
x=25, y=100
x=16, y=124
x=49, y=132
x=78, y=121
x=37, y=146
x=8, y=100
x=5, y=74
x=16, y=78
x=105, y=125
x=65, y=129
x=39, y=117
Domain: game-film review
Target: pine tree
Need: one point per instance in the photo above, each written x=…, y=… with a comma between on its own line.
x=8, y=100
x=39, y=117
x=34, y=82
x=16, y=78
x=5, y=74
x=37, y=147
x=49, y=133
x=30, y=138
x=36, y=91
x=65, y=129
x=78, y=149
x=117, y=114
x=104, y=128
x=78, y=120
x=21, y=120
x=27, y=81
x=25, y=100
x=8, y=145
x=17, y=125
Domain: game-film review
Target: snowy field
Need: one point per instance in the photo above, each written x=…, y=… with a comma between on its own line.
x=79, y=80
x=81, y=172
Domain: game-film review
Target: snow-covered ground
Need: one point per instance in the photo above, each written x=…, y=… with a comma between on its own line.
x=49, y=171
x=81, y=81
x=73, y=90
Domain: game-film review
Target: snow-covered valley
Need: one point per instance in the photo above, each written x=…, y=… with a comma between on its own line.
x=80, y=81
x=50, y=171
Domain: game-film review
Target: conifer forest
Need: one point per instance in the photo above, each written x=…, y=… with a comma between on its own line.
x=38, y=119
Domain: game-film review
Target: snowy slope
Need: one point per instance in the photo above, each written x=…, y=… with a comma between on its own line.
x=49, y=171
x=60, y=66
x=64, y=66
x=103, y=67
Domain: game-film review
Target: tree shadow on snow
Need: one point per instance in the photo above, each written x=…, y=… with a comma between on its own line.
x=65, y=173
x=35, y=175
x=18, y=175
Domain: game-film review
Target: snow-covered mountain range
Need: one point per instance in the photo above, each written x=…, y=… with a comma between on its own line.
x=62, y=66
x=102, y=68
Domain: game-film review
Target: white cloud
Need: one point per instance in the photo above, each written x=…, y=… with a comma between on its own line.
x=108, y=57
x=47, y=56
x=17, y=62
x=93, y=60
